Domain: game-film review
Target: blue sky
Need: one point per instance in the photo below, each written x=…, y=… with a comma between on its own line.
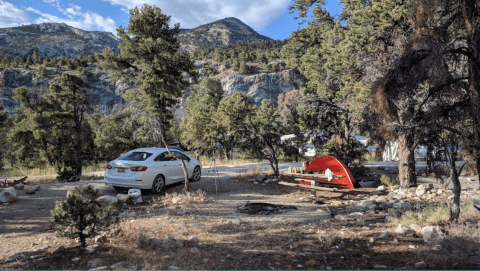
x=268, y=17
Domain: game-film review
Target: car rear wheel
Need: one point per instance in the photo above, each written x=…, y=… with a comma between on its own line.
x=158, y=184
x=197, y=173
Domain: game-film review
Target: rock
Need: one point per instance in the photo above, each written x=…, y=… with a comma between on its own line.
x=420, y=190
x=91, y=248
x=107, y=199
x=431, y=233
x=176, y=200
x=342, y=217
x=117, y=265
x=8, y=195
x=384, y=235
x=94, y=263
x=123, y=198
x=372, y=239
x=379, y=266
x=402, y=205
x=229, y=257
x=365, y=228
x=260, y=178
x=154, y=241
x=13, y=257
x=402, y=229
x=357, y=208
x=368, y=203
x=395, y=240
x=46, y=247
x=29, y=190
x=36, y=187
x=381, y=188
x=416, y=228
x=381, y=199
x=75, y=260
x=192, y=239
x=236, y=221
x=394, y=212
x=421, y=265
x=100, y=239
x=19, y=186
x=195, y=250
x=182, y=212
x=43, y=239
x=322, y=239
x=277, y=248
x=439, y=192
x=172, y=267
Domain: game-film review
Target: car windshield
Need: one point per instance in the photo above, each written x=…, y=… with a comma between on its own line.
x=135, y=156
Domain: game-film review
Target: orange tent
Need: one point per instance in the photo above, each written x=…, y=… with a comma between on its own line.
x=321, y=164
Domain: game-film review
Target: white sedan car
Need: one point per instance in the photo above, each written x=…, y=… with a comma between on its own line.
x=150, y=168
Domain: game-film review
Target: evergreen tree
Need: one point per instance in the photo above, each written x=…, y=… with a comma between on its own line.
x=232, y=114
x=42, y=71
x=243, y=69
x=80, y=216
x=199, y=127
x=149, y=58
x=37, y=59
x=264, y=131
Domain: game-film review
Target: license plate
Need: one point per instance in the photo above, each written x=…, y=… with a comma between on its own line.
x=121, y=170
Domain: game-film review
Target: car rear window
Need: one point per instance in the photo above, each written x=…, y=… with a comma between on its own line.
x=135, y=156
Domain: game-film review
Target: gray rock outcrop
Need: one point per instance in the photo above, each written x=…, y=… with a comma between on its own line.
x=262, y=86
x=106, y=93
x=55, y=40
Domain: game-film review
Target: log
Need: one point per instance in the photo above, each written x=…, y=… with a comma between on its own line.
x=316, y=176
x=307, y=187
x=318, y=182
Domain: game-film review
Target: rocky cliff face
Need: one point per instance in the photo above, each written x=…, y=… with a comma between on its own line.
x=229, y=31
x=54, y=40
x=262, y=86
x=106, y=93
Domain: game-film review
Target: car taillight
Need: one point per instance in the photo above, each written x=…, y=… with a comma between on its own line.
x=109, y=166
x=138, y=168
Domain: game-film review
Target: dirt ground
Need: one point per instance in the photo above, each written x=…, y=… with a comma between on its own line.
x=304, y=238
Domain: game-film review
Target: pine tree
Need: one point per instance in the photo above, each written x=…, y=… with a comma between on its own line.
x=149, y=58
x=243, y=68
x=80, y=216
x=264, y=131
x=37, y=59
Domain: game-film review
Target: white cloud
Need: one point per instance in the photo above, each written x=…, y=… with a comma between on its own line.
x=11, y=16
x=192, y=13
x=85, y=21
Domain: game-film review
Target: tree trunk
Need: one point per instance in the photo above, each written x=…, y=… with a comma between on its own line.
x=429, y=159
x=163, y=139
x=406, y=162
x=457, y=187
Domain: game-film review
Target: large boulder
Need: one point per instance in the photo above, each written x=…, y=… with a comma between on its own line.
x=29, y=189
x=123, y=197
x=107, y=199
x=8, y=195
x=19, y=186
x=431, y=234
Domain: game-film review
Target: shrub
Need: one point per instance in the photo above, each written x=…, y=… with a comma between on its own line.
x=80, y=216
x=42, y=71
x=388, y=181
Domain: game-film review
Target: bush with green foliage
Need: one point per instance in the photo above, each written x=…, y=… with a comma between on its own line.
x=42, y=71
x=80, y=216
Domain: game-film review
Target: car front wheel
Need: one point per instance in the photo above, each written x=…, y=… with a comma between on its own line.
x=197, y=173
x=158, y=184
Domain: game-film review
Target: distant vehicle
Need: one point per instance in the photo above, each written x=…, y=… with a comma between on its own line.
x=308, y=150
x=178, y=145
x=150, y=168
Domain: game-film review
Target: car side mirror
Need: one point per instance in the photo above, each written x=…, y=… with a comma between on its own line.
x=188, y=159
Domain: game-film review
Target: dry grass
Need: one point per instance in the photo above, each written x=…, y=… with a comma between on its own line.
x=245, y=175
x=207, y=161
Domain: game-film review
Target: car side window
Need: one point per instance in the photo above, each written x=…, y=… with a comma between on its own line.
x=163, y=157
x=181, y=155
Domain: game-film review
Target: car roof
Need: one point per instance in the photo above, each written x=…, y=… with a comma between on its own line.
x=153, y=149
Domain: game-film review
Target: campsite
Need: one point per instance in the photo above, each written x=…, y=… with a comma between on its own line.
x=335, y=229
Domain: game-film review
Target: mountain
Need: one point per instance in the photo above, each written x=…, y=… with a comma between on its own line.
x=229, y=31
x=54, y=40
